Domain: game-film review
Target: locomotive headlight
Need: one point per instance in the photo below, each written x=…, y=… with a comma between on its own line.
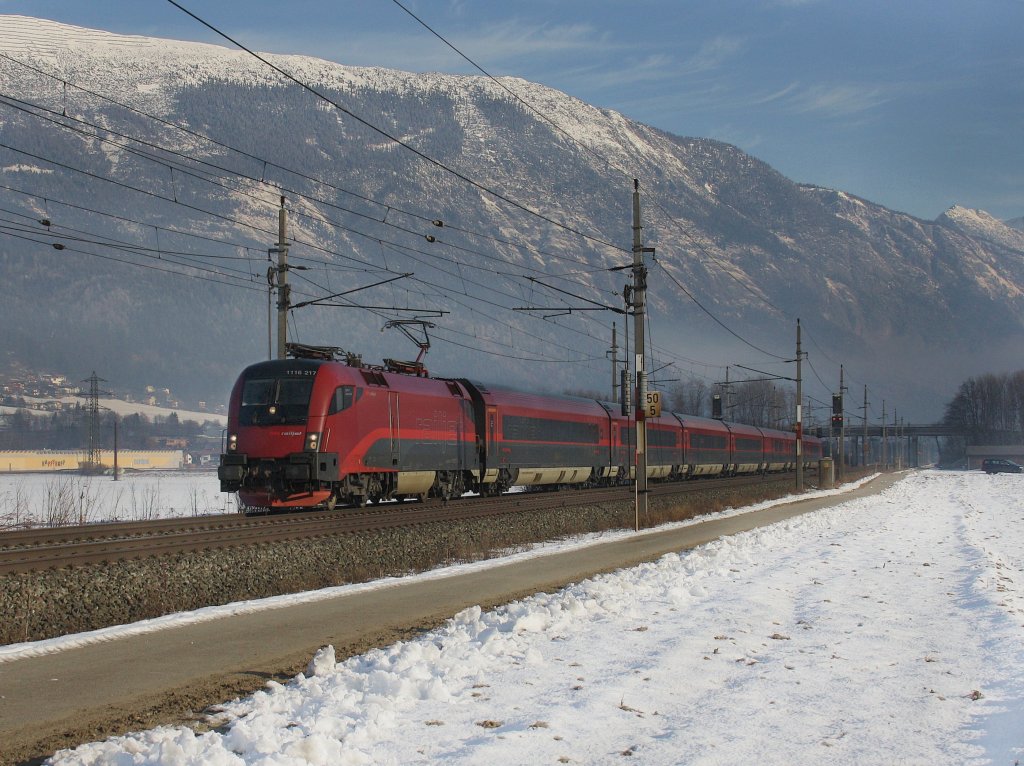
x=232, y=442
x=312, y=441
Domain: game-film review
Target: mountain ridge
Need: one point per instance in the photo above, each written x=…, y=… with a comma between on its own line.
x=871, y=284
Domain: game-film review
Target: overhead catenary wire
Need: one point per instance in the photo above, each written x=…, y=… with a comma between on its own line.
x=605, y=160
x=851, y=379
x=404, y=144
x=506, y=273
x=671, y=218
x=714, y=318
x=68, y=248
x=249, y=248
x=183, y=169
x=153, y=267
x=321, y=219
x=202, y=211
x=475, y=298
x=388, y=207
x=170, y=256
x=482, y=285
x=409, y=252
x=158, y=159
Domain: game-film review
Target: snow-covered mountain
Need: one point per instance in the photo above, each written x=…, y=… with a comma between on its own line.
x=981, y=225
x=916, y=305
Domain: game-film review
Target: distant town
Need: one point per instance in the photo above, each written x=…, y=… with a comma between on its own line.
x=19, y=385
x=50, y=411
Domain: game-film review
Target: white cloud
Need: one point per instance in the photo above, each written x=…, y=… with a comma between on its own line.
x=713, y=54
x=505, y=47
x=840, y=100
x=517, y=39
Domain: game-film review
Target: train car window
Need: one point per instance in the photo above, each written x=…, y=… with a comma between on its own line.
x=344, y=397
x=660, y=437
x=748, y=445
x=293, y=391
x=519, y=428
x=275, y=401
x=257, y=392
x=707, y=441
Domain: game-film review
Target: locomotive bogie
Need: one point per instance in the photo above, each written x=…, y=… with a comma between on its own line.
x=449, y=484
x=679, y=473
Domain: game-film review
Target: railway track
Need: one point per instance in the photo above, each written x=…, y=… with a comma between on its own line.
x=58, y=547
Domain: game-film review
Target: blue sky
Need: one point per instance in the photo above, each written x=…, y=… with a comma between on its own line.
x=912, y=104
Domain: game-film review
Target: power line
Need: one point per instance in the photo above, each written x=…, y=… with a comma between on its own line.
x=388, y=207
x=716, y=320
x=162, y=161
x=511, y=92
x=129, y=247
x=324, y=220
x=760, y=296
x=125, y=261
x=146, y=192
x=135, y=248
x=124, y=219
x=429, y=159
x=157, y=229
x=404, y=144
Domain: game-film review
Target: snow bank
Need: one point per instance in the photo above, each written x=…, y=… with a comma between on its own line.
x=883, y=630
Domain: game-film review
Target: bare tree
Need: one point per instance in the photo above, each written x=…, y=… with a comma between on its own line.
x=989, y=409
x=762, y=403
x=690, y=397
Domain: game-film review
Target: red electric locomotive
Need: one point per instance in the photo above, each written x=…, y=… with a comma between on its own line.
x=309, y=432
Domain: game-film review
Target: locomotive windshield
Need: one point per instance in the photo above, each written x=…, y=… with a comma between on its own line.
x=275, y=401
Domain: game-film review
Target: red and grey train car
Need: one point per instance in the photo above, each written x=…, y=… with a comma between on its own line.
x=315, y=432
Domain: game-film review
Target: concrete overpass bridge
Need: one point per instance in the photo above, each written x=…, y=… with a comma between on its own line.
x=914, y=445
x=907, y=430
x=903, y=446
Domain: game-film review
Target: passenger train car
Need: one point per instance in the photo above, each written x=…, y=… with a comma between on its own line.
x=319, y=432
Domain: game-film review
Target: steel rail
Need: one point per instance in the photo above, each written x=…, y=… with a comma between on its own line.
x=32, y=550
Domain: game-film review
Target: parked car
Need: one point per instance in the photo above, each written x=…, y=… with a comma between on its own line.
x=1000, y=465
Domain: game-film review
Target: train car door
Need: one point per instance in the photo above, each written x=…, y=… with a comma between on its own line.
x=492, y=437
x=394, y=427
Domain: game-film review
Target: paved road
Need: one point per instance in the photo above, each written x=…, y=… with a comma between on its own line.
x=132, y=683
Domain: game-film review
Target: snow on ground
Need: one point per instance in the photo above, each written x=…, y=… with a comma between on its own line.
x=42, y=407
x=884, y=630
x=50, y=499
